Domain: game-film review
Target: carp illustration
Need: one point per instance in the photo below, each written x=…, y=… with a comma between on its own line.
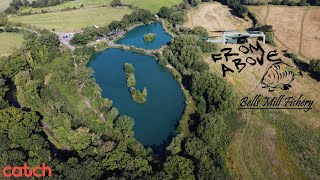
x=280, y=75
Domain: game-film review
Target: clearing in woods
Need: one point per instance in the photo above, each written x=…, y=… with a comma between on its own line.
x=257, y=150
x=215, y=17
x=9, y=41
x=69, y=21
x=296, y=28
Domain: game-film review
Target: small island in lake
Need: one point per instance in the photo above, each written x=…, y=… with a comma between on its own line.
x=149, y=37
x=129, y=71
x=137, y=96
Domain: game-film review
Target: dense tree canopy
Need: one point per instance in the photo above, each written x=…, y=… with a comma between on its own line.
x=212, y=93
x=165, y=12
x=179, y=167
x=20, y=130
x=185, y=56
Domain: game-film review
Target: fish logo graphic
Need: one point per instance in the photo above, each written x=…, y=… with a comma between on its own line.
x=280, y=75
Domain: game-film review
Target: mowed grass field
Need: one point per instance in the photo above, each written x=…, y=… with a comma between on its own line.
x=9, y=41
x=75, y=20
x=152, y=5
x=296, y=28
x=257, y=150
x=69, y=4
x=215, y=17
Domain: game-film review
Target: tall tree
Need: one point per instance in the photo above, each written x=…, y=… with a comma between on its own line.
x=179, y=167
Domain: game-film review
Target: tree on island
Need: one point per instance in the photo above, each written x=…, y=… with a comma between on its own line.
x=131, y=80
x=137, y=96
x=149, y=37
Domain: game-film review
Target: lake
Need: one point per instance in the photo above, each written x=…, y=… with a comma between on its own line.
x=135, y=36
x=155, y=120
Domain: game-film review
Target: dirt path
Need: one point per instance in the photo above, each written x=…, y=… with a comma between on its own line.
x=87, y=102
x=46, y=128
x=242, y=138
x=267, y=15
x=301, y=29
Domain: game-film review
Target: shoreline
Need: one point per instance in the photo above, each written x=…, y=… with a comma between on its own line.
x=181, y=129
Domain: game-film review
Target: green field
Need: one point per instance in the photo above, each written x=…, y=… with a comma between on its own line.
x=70, y=4
x=153, y=5
x=8, y=42
x=4, y=4
x=68, y=21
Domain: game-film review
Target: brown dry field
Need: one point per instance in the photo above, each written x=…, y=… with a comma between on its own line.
x=255, y=151
x=215, y=17
x=311, y=34
x=247, y=82
x=296, y=28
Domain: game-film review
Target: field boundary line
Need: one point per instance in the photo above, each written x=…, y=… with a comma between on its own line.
x=267, y=14
x=302, y=29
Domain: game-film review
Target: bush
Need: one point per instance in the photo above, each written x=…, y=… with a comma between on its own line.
x=165, y=12
x=162, y=61
x=268, y=31
x=115, y=3
x=315, y=66
x=129, y=71
x=131, y=81
x=3, y=19
x=9, y=28
x=102, y=46
x=237, y=7
x=149, y=37
x=177, y=18
x=276, y=2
